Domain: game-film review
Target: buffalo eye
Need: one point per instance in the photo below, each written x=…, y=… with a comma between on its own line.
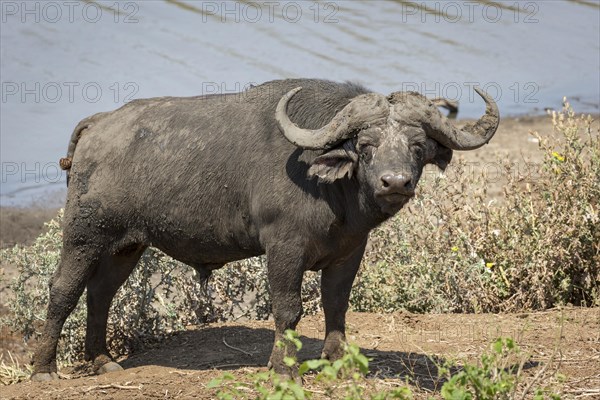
x=418, y=150
x=366, y=151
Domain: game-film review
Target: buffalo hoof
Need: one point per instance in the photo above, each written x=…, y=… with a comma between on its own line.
x=332, y=355
x=334, y=347
x=44, y=377
x=288, y=378
x=286, y=373
x=109, y=367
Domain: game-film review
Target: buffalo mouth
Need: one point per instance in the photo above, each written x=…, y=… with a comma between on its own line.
x=391, y=203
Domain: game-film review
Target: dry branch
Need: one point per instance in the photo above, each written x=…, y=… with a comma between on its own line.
x=112, y=386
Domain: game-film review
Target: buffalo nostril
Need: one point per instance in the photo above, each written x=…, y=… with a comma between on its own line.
x=396, y=183
x=387, y=180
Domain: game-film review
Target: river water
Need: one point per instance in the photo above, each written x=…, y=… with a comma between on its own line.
x=64, y=60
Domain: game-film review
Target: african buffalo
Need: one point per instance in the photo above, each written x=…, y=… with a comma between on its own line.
x=300, y=170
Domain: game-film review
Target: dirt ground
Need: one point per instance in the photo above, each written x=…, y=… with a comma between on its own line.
x=404, y=347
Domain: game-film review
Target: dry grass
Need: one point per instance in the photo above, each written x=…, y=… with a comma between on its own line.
x=11, y=370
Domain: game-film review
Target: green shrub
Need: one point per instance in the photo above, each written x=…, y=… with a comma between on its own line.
x=497, y=377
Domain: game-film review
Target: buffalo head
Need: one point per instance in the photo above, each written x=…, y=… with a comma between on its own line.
x=386, y=141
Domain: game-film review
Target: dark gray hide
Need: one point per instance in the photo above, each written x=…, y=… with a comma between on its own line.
x=213, y=179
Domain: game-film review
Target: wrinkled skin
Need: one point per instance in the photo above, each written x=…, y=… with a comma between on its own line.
x=210, y=180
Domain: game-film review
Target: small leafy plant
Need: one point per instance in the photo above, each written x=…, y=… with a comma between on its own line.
x=499, y=375
x=496, y=377
x=344, y=378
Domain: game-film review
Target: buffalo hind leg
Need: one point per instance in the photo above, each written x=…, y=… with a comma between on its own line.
x=102, y=286
x=285, y=271
x=336, y=282
x=76, y=265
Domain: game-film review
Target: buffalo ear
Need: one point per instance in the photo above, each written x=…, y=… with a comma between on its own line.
x=335, y=163
x=437, y=154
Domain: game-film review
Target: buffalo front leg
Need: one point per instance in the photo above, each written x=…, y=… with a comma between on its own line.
x=112, y=272
x=336, y=282
x=285, y=271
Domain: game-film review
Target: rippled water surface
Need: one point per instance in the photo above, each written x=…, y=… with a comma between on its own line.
x=62, y=61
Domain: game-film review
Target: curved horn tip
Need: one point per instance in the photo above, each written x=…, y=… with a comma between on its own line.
x=486, y=97
x=293, y=92
x=480, y=91
x=473, y=135
x=283, y=101
x=490, y=104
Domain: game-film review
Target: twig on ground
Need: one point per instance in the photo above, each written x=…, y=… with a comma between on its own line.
x=236, y=348
x=112, y=386
x=584, y=392
x=228, y=366
x=585, y=378
x=180, y=373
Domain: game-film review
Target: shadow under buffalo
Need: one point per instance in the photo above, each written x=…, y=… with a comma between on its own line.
x=234, y=347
